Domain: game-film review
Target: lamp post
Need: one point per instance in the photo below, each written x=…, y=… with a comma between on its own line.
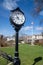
x=17, y=20
x=32, y=42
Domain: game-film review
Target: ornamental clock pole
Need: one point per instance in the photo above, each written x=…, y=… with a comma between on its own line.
x=17, y=20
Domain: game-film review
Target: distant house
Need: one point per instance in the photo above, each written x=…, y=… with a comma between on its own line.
x=36, y=38
x=11, y=41
x=39, y=39
x=10, y=38
x=28, y=39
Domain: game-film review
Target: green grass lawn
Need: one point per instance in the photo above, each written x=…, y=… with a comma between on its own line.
x=27, y=54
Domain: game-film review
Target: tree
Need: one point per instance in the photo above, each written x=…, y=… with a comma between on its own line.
x=38, y=7
x=2, y=41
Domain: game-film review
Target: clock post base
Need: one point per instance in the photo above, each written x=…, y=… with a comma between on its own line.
x=16, y=61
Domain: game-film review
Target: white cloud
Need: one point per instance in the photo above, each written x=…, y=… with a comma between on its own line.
x=10, y=4
x=27, y=28
x=39, y=28
x=32, y=22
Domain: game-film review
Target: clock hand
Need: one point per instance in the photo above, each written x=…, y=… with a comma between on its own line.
x=18, y=18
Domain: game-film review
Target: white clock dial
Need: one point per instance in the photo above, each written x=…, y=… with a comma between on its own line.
x=18, y=17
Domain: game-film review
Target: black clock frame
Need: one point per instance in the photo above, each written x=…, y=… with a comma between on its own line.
x=17, y=27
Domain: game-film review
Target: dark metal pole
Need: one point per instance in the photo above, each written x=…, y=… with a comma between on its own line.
x=16, y=46
x=16, y=59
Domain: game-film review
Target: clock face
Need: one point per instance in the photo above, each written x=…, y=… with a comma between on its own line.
x=18, y=17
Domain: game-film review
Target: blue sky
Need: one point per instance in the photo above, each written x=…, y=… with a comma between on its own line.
x=31, y=23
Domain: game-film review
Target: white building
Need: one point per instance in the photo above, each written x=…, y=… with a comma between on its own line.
x=10, y=38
